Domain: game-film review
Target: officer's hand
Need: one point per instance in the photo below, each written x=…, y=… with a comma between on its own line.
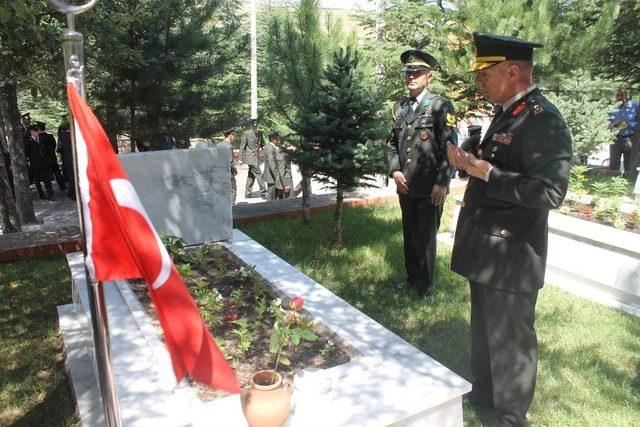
x=438, y=194
x=460, y=159
x=401, y=182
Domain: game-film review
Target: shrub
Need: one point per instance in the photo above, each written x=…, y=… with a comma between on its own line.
x=607, y=209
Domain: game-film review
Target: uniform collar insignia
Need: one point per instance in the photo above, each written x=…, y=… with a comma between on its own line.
x=519, y=108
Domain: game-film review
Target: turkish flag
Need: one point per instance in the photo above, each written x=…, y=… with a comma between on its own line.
x=122, y=244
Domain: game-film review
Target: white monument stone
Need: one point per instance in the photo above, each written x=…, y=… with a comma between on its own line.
x=186, y=193
x=636, y=189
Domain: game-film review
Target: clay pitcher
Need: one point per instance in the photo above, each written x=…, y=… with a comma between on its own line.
x=267, y=402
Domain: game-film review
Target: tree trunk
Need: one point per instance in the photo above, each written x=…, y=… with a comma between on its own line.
x=632, y=173
x=9, y=221
x=15, y=145
x=111, y=125
x=337, y=216
x=306, y=198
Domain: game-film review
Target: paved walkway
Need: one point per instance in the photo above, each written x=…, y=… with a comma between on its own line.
x=58, y=229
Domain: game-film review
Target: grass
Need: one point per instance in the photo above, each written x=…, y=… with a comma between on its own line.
x=589, y=355
x=34, y=389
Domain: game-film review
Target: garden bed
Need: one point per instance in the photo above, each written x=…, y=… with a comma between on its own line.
x=237, y=305
x=605, y=213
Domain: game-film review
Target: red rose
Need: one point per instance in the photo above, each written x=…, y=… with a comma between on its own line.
x=297, y=303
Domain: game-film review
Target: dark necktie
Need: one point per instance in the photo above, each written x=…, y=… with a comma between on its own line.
x=412, y=100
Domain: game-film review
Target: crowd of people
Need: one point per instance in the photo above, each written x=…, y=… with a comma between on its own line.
x=41, y=149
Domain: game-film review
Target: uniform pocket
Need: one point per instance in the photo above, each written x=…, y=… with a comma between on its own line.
x=506, y=227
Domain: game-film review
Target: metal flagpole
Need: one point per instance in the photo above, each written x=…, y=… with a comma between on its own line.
x=72, y=44
x=254, y=61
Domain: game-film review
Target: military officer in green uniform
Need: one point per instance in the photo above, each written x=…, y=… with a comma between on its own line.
x=270, y=174
x=250, y=144
x=417, y=154
x=518, y=172
x=283, y=166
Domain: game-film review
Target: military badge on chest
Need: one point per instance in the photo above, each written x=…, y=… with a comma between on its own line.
x=503, y=137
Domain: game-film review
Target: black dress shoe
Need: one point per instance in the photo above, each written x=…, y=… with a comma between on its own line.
x=43, y=197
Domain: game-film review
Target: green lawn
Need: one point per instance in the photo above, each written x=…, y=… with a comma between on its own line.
x=34, y=390
x=589, y=367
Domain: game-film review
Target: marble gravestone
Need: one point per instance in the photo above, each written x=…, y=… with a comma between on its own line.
x=636, y=190
x=186, y=193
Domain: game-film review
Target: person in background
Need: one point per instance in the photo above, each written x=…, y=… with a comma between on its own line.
x=470, y=144
x=250, y=144
x=49, y=142
x=36, y=152
x=227, y=142
x=625, y=119
x=270, y=174
x=283, y=166
x=66, y=154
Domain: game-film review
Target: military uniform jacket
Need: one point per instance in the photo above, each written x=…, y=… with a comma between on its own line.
x=270, y=174
x=501, y=236
x=283, y=165
x=418, y=143
x=250, y=144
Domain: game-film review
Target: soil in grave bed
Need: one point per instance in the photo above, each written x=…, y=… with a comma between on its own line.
x=235, y=304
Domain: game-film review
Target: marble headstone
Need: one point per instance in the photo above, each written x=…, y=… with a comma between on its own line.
x=636, y=190
x=186, y=193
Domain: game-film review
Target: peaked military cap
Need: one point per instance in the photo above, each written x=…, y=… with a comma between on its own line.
x=25, y=115
x=229, y=132
x=474, y=128
x=273, y=133
x=492, y=49
x=414, y=60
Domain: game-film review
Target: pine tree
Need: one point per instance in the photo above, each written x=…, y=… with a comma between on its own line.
x=338, y=128
x=582, y=103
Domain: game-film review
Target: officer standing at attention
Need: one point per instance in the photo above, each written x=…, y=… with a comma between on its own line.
x=519, y=171
x=250, y=144
x=417, y=154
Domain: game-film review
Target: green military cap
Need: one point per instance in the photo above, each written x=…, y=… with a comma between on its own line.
x=273, y=133
x=414, y=60
x=229, y=132
x=492, y=49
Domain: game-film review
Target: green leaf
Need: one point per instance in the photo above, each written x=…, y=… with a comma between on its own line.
x=285, y=361
x=308, y=335
x=295, y=338
x=274, y=345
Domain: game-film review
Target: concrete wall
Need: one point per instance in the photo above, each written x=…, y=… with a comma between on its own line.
x=186, y=193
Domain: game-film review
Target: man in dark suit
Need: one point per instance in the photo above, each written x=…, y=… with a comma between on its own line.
x=36, y=152
x=518, y=172
x=250, y=144
x=417, y=154
x=66, y=154
x=49, y=142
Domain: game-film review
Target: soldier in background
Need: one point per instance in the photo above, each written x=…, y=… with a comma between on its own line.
x=283, y=167
x=36, y=152
x=66, y=154
x=49, y=142
x=227, y=142
x=271, y=177
x=250, y=144
x=470, y=144
x=423, y=123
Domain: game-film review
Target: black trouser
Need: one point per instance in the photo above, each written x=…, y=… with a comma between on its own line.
x=254, y=174
x=280, y=194
x=420, y=223
x=55, y=168
x=47, y=185
x=622, y=147
x=503, y=351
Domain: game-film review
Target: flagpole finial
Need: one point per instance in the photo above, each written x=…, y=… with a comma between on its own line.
x=71, y=10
